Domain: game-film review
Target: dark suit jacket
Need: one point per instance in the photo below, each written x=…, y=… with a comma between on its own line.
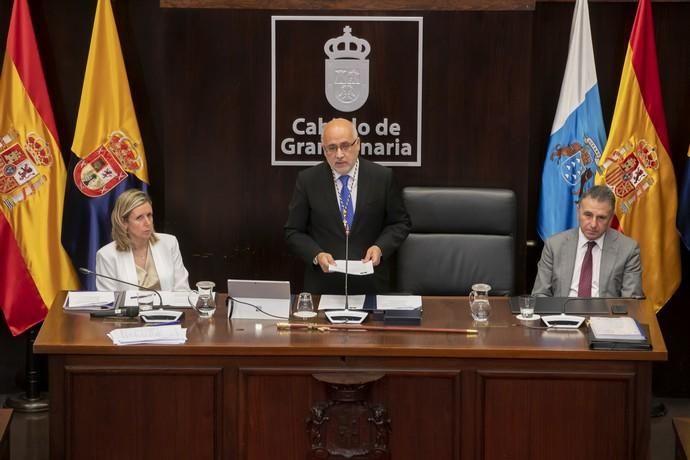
x=315, y=225
x=620, y=273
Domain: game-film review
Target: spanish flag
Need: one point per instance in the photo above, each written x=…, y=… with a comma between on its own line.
x=34, y=267
x=637, y=166
x=108, y=153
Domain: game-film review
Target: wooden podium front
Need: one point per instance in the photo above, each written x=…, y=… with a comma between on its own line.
x=241, y=389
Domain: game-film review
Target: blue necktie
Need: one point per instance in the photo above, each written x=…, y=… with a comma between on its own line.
x=346, y=209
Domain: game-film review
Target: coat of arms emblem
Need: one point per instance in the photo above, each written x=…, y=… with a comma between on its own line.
x=347, y=71
x=101, y=170
x=629, y=171
x=577, y=163
x=19, y=166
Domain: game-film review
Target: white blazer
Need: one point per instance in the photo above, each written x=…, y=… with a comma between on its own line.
x=120, y=264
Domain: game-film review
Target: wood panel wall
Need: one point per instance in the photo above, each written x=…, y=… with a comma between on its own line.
x=200, y=80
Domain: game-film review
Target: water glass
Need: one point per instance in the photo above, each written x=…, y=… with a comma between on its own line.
x=305, y=306
x=145, y=300
x=206, y=302
x=526, y=303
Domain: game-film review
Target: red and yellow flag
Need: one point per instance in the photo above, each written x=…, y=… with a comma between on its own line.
x=33, y=266
x=637, y=166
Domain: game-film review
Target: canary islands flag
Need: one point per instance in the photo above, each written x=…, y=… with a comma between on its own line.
x=636, y=164
x=108, y=152
x=577, y=135
x=34, y=267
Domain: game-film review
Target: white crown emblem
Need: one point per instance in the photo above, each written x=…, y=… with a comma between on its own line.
x=347, y=46
x=347, y=71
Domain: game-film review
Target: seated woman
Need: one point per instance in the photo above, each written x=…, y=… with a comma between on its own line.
x=138, y=254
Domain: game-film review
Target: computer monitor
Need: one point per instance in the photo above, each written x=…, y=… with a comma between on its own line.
x=259, y=299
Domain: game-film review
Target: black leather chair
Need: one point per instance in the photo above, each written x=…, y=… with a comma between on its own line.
x=460, y=236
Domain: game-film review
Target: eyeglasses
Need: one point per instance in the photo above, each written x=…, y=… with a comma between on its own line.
x=343, y=146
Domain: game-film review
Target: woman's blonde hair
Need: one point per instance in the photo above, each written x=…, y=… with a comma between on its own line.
x=126, y=202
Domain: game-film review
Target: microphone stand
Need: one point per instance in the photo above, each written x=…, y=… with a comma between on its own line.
x=355, y=316
x=347, y=257
x=31, y=400
x=86, y=271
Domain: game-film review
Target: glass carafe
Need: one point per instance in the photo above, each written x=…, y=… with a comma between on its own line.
x=479, y=302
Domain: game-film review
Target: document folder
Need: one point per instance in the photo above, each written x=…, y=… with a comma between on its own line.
x=620, y=344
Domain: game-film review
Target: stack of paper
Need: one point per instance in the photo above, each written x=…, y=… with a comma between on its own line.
x=171, y=334
x=89, y=300
x=621, y=328
x=383, y=302
x=398, y=302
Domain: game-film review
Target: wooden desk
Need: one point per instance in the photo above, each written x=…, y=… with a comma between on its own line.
x=681, y=427
x=5, y=418
x=242, y=389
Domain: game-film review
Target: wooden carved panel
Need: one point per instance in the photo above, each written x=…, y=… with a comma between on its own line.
x=423, y=405
x=347, y=425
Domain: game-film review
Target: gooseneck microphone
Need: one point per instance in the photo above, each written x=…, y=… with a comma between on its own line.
x=86, y=271
x=124, y=312
x=563, y=321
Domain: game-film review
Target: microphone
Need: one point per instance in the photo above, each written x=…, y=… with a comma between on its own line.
x=86, y=271
x=564, y=321
x=124, y=312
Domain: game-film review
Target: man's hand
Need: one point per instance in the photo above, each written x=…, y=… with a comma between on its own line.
x=324, y=259
x=373, y=254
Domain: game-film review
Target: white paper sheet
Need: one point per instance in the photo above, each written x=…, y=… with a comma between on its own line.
x=337, y=302
x=620, y=328
x=171, y=334
x=89, y=300
x=354, y=267
x=398, y=302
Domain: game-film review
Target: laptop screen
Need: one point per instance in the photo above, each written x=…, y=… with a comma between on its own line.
x=259, y=289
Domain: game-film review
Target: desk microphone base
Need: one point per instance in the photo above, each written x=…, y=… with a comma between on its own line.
x=563, y=321
x=346, y=316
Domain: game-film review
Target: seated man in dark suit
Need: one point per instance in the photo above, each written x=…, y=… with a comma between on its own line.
x=345, y=193
x=591, y=260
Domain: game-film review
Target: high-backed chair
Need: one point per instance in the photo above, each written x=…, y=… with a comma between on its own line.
x=460, y=236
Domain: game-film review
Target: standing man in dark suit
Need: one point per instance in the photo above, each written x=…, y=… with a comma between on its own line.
x=591, y=260
x=345, y=192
